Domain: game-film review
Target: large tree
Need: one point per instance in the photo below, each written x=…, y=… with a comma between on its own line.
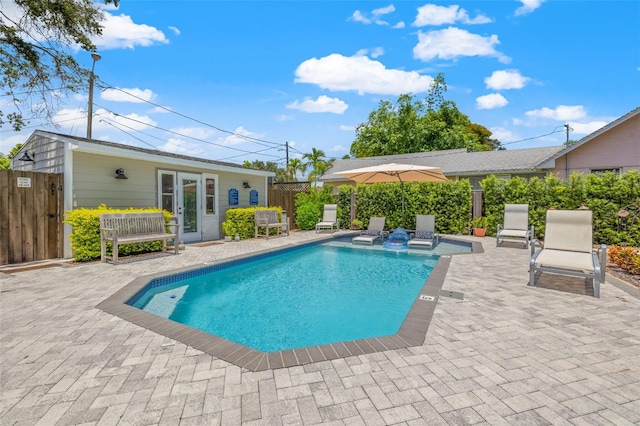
x=414, y=125
x=36, y=37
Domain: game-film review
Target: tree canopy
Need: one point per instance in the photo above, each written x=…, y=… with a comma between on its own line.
x=414, y=125
x=35, y=68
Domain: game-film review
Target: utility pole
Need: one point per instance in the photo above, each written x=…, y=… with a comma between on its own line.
x=92, y=77
x=567, y=129
x=286, y=146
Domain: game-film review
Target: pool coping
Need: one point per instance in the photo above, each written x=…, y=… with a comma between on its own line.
x=412, y=332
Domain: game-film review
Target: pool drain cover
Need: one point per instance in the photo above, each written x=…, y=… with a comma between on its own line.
x=427, y=298
x=453, y=294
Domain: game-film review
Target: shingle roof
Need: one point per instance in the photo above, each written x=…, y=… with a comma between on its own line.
x=455, y=162
x=145, y=150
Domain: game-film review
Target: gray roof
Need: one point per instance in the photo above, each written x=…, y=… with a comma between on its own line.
x=155, y=152
x=456, y=162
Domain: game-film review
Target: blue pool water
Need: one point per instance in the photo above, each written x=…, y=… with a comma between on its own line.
x=314, y=295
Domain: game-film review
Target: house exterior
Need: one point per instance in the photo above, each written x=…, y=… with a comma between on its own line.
x=197, y=191
x=614, y=147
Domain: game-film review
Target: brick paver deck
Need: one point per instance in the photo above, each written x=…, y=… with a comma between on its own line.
x=504, y=354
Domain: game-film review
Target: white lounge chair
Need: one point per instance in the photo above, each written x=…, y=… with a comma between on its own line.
x=516, y=225
x=329, y=218
x=374, y=232
x=568, y=248
x=425, y=235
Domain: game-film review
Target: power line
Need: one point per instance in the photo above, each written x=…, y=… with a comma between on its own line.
x=535, y=137
x=248, y=138
x=183, y=135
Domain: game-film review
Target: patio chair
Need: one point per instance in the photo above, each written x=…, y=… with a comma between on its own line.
x=329, y=218
x=516, y=225
x=425, y=235
x=568, y=248
x=374, y=231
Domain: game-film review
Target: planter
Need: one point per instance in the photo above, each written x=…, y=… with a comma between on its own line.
x=228, y=238
x=479, y=232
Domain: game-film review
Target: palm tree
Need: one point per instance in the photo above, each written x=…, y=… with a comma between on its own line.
x=295, y=165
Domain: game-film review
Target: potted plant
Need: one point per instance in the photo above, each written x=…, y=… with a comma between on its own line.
x=356, y=224
x=479, y=225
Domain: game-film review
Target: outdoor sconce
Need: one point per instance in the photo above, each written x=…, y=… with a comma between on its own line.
x=120, y=174
x=27, y=157
x=245, y=184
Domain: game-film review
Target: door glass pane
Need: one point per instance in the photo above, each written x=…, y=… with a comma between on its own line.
x=190, y=207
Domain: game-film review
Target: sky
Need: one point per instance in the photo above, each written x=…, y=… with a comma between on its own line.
x=239, y=80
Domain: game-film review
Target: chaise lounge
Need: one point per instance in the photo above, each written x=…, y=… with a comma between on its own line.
x=375, y=231
x=425, y=235
x=516, y=225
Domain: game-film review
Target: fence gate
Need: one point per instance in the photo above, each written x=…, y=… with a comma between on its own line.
x=31, y=215
x=283, y=194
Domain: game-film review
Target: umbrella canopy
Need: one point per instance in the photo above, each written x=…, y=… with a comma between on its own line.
x=394, y=172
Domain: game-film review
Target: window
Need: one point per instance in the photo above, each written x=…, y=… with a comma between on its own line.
x=210, y=196
x=603, y=171
x=167, y=191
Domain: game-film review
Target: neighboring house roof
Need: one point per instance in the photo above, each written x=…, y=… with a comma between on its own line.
x=117, y=149
x=600, y=131
x=455, y=162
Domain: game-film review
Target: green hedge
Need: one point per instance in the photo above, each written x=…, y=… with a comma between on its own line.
x=449, y=201
x=604, y=194
x=85, y=235
x=310, y=206
x=241, y=221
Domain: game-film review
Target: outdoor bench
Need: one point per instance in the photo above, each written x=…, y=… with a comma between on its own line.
x=268, y=219
x=125, y=228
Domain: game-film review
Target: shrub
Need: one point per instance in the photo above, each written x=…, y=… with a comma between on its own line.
x=241, y=221
x=309, y=206
x=628, y=258
x=85, y=236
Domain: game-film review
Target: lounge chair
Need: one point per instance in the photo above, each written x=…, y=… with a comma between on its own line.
x=374, y=232
x=329, y=218
x=516, y=225
x=568, y=248
x=425, y=235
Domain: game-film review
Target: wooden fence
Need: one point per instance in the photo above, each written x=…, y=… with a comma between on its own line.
x=31, y=215
x=283, y=194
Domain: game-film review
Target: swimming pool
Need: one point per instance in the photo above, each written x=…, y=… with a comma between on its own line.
x=316, y=295
x=411, y=332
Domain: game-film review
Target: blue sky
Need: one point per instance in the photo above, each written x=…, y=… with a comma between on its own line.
x=235, y=80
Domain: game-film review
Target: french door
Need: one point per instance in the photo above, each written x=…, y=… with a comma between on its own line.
x=181, y=194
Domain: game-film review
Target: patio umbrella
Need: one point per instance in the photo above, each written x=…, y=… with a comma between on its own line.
x=394, y=172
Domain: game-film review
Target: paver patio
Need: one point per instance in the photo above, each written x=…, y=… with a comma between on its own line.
x=505, y=354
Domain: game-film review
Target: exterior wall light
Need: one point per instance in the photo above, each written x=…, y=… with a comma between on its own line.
x=120, y=174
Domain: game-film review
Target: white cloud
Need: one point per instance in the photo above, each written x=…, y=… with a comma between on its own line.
x=503, y=135
x=360, y=74
x=180, y=146
x=347, y=128
x=506, y=79
x=528, y=6
x=452, y=42
x=322, y=104
x=283, y=117
x=121, y=32
x=237, y=138
x=399, y=25
x=491, y=101
x=431, y=14
x=175, y=30
x=194, y=132
x=359, y=17
x=560, y=113
x=8, y=142
x=374, y=16
x=587, y=128
x=383, y=10
x=377, y=52
x=159, y=110
x=133, y=95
